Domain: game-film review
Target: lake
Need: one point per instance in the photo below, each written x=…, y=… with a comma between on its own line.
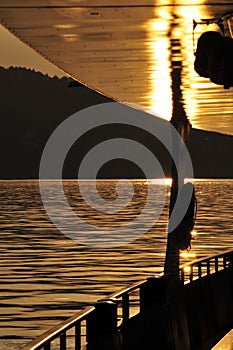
x=47, y=277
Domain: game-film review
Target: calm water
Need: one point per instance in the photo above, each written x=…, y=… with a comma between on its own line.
x=46, y=276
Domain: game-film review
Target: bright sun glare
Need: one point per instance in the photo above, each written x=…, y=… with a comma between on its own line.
x=159, y=47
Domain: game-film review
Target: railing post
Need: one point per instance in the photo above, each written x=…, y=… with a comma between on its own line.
x=191, y=273
x=102, y=326
x=224, y=262
x=153, y=292
x=78, y=336
x=182, y=276
x=216, y=264
x=63, y=341
x=125, y=307
x=47, y=346
x=208, y=267
x=199, y=270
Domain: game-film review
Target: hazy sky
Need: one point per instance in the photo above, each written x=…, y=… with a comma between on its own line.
x=16, y=53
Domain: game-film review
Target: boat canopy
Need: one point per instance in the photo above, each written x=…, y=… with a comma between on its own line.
x=123, y=49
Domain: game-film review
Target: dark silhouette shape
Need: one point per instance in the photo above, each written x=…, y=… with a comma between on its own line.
x=183, y=231
x=214, y=57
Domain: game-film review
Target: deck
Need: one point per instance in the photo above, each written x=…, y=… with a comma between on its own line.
x=195, y=313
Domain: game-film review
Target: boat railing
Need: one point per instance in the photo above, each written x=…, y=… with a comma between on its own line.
x=75, y=332
x=202, y=267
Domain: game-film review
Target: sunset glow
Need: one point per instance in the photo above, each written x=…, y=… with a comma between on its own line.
x=123, y=54
x=116, y=176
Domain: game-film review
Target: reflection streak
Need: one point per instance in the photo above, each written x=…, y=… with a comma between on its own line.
x=160, y=98
x=200, y=96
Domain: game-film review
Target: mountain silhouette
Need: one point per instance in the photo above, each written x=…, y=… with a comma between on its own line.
x=33, y=105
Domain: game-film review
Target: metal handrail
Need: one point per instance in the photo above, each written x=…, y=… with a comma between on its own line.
x=207, y=266
x=209, y=257
x=58, y=330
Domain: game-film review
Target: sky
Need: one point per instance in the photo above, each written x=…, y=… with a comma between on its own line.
x=16, y=53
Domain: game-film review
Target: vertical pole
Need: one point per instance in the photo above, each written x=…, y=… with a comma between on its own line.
x=47, y=346
x=180, y=121
x=153, y=293
x=102, y=326
x=63, y=341
x=125, y=307
x=78, y=336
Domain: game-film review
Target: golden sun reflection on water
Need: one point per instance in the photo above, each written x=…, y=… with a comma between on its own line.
x=187, y=255
x=194, y=233
x=164, y=181
x=187, y=269
x=160, y=28
x=160, y=97
x=125, y=53
x=200, y=97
